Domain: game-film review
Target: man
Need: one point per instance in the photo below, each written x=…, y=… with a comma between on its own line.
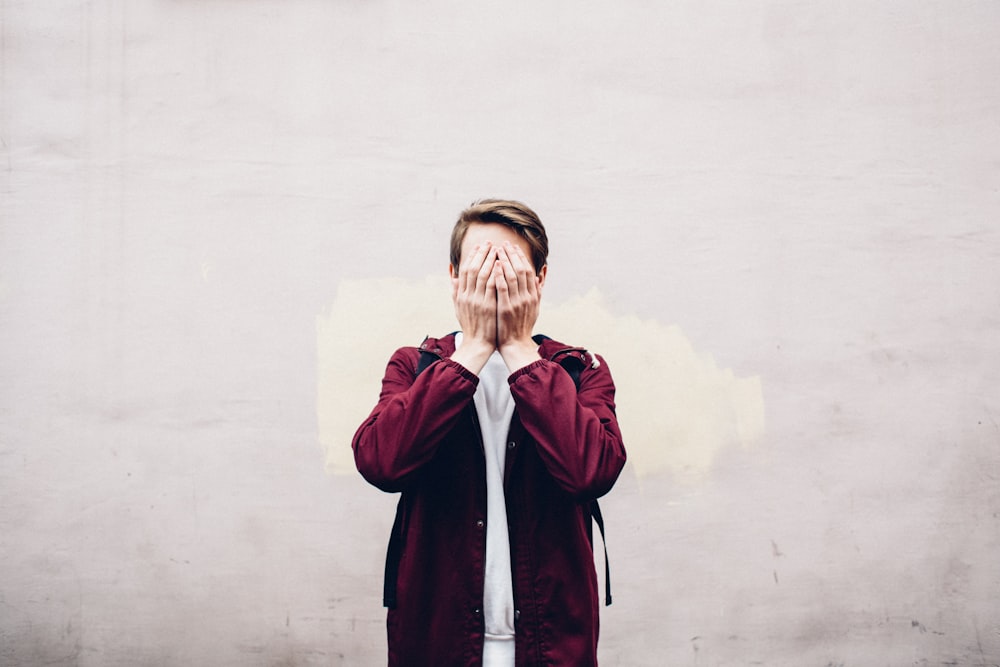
x=498, y=452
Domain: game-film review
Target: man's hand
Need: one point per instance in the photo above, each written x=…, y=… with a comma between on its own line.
x=474, y=294
x=518, y=296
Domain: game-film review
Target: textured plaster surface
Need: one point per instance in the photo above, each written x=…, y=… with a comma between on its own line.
x=778, y=221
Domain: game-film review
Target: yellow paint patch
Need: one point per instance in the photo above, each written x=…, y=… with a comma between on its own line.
x=676, y=407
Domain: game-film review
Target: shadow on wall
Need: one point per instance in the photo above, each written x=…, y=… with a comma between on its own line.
x=676, y=407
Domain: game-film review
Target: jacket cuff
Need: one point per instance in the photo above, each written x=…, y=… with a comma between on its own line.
x=462, y=370
x=524, y=370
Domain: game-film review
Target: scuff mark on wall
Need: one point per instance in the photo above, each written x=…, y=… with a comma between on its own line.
x=676, y=406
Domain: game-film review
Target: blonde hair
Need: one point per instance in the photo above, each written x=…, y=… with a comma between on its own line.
x=505, y=212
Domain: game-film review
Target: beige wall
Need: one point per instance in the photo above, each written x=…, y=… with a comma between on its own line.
x=779, y=221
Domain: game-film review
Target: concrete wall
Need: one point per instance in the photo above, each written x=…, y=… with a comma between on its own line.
x=779, y=221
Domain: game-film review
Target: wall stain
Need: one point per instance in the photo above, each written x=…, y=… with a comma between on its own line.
x=677, y=407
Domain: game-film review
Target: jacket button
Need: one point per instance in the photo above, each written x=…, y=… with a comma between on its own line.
x=517, y=614
x=511, y=445
x=476, y=611
x=480, y=523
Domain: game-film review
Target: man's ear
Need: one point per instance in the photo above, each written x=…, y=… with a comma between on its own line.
x=542, y=274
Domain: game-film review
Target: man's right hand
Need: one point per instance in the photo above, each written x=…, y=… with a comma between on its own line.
x=475, y=297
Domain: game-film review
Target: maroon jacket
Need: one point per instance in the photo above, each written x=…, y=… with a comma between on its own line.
x=564, y=450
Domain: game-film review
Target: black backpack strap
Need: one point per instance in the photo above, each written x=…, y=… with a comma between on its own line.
x=426, y=359
x=595, y=512
x=574, y=372
x=392, y=556
x=573, y=365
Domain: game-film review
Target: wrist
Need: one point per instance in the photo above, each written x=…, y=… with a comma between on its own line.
x=473, y=354
x=519, y=353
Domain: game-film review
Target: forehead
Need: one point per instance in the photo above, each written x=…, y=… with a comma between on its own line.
x=480, y=232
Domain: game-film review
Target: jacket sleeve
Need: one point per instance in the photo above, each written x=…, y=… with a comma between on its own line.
x=576, y=429
x=411, y=418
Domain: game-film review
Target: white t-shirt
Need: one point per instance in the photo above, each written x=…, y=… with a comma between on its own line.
x=495, y=408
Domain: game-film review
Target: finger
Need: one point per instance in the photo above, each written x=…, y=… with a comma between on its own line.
x=496, y=283
x=527, y=279
x=485, y=271
x=463, y=268
x=472, y=264
x=521, y=267
x=475, y=259
x=470, y=273
x=502, y=285
x=491, y=281
x=509, y=272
